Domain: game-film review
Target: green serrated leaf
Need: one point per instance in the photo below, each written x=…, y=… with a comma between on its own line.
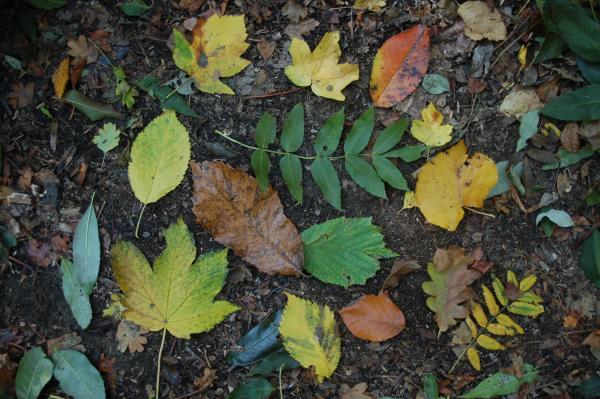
x=593, y=197
x=359, y=135
x=329, y=136
x=567, y=158
x=578, y=105
x=502, y=384
x=107, y=137
x=135, y=8
x=291, y=171
x=527, y=128
x=260, y=341
x=76, y=375
x=35, y=370
x=364, y=175
x=389, y=173
x=168, y=99
x=435, y=84
x=76, y=297
x=590, y=257
x=265, y=130
x=292, y=134
x=409, y=153
x=261, y=164
x=390, y=136
x=91, y=108
x=325, y=175
x=253, y=389
x=344, y=251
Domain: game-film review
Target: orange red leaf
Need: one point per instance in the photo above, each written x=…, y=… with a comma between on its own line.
x=374, y=318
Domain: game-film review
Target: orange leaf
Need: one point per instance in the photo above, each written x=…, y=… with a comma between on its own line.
x=399, y=66
x=61, y=78
x=374, y=318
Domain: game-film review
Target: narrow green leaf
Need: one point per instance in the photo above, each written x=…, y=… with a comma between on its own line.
x=291, y=170
x=409, y=153
x=502, y=384
x=76, y=375
x=590, y=257
x=527, y=128
x=168, y=99
x=93, y=109
x=135, y=8
x=273, y=362
x=359, y=135
x=76, y=297
x=27, y=20
x=35, y=370
x=325, y=175
x=261, y=164
x=390, y=136
x=265, y=130
x=593, y=197
x=13, y=62
x=579, y=105
x=430, y=386
x=329, y=136
x=435, y=84
x=552, y=47
x=253, y=389
x=502, y=185
x=292, y=134
x=364, y=175
x=567, y=158
x=556, y=216
x=86, y=250
x=389, y=173
x=260, y=341
x=591, y=72
x=47, y=4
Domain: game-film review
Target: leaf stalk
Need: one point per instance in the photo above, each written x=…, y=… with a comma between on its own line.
x=160, y=352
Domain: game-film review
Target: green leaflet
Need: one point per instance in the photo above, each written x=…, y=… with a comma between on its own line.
x=527, y=128
x=328, y=138
x=502, y=185
x=35, y=370
x=590, y=257
x=325, y=175
x=578, y=105
x=123, y=90
x=409, y=153
x=76, y=375
x=261, y=165
x=292, y=134
x=566, y=158
x=359, y=135
x=75, y=295
x=344, y=251
x=552, y=47
x=502, y=384
x=167, y=97
x=135, y=8
x=430, y=386
x=47, y=4
x=274, y=362
x=253, y=389
x=265, y=131
x=591, y=72
x=291, y=170
x=364, y=175
x=93, y=109
x=390, y=136
x=389, y=173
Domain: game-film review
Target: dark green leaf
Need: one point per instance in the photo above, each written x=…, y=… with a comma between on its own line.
x=9, y=240
x=359, y=135
x=35, y=370
x=502, y=384
x=590, y=257
x=389, y=173
x=502, y=185
x=588, y=389
x=265, y=130
x=291, y=170
x=593, y=197
x=435, y=84
x=261, y=164
x=91, y=108
x=27, y=20
x=76, y=375
x=567, y=158
x=325, y=175
x=430, y=386
x=364, y=175
x=292, y=134
x=135, y=8
x=275, y=361
x=76, y=297
x=579, y=105
x=591, y=72
x=409, y=153
x=174, y=101
x=259, y=342
x=47, y=4
x=527, y=128
x=86, y=250
x=253, y=389
x=329, y=136
x=552, y=47
x=390, y=136
x=516, y=171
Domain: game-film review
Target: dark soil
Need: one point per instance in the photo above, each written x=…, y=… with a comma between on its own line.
x=32, y=301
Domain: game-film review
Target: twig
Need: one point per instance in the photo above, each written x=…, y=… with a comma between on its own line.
x=18, y=262
x=274, y=94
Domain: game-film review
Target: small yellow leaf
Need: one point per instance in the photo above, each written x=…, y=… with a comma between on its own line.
x=473, y=357
x=410, y=200
x=500, y=329
x=505, y=320
x=487, y=342
x=310, y=335
x=61, y=78
x=319, y=69
x=499, y=290
x=479, y=314
x=522, y=57
x=530, y=297
x=527, y=283
x=472, y=327
x=525, y=309
x=430, y=130
x=511, y=277
x=490, y=302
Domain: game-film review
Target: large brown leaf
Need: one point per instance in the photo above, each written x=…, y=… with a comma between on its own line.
x=374, y=318
x=229, y=204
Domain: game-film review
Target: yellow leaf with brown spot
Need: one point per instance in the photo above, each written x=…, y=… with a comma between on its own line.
x=61, y=77
x=430, y=130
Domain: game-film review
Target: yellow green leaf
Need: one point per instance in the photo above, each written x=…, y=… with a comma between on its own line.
x=511, y=277
x=499, y=290
x=319, y=69
x=473, y=357
x=505, y=320
x=487, y=342
x=430, y=130
x=528, y=282
x=479, y=314
x=215, y=52
x=490, y=302
x=371, y=5
x=159, y=158
x=310, y=335
x=409, y=200
x=472, y=327
x=177, y=293
x=530, y=297
x=500, y=329
x=525, y=309
x=116, y=308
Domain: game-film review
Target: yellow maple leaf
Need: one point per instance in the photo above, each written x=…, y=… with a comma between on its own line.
x=310, y=335
x=215, y=52
x=319, y=69
x=430, y=130
x=446, y=183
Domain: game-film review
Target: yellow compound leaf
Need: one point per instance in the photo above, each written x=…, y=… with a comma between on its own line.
x=446, y=183
x=479, y=314
x=215, y=52
x=499, y=329
x=490, y=302
x=525, y=309
x=489, y=343
x=159, y=158
x=505, y=320
x=499, y=290
x=530, y=297
x=310, y=335
x=473, y=357
x=430, y=130
x=319, y=69
x=511, y=277
x=177, y=293
x=528, y=282
x=472, y=327
x=61, y=77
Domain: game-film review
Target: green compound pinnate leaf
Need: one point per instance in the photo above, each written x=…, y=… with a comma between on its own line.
x=159, y=158
x=291, y=170
x=502, y=384
x=35, y=370
x=265, y=131
x=590, y=257
x=261, y=164
x=325, y=175
x=566, y=158
x=389, y=173
x=390, y=136
x=107, y=137
x=75, y=295
x=344, y=251
x=359, y=135
x=329, y=136
x=364, y=175
x=409, y=153
x=292, y=134
x=76, y=375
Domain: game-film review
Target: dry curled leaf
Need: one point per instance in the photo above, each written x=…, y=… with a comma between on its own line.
x=482, y=21
x=229, y=204
x=130, y=335
x=67, y=341
x=519, y=102
x=265, y=48
x=358, y=391
x=294, y=11
x=301, y=28
x=374, y=318
x=80, y=48
x=569, y=137
x=400, y=268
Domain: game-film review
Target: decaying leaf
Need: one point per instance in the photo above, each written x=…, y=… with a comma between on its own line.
x=358, y=391
x=61, y=77
x=371, y=5
x=215, y=52
x=130, y=335
x=399, y=66
x=319, y=69
x=229, y=204
x=302, y=28
x=482, y=21
x=400, y=268
x=294, y=11
x=449, y=181
x=80, y=48
x=374, y=318
x=519, y=102
x=430, y=130
x=310, y=335
x=21, y=95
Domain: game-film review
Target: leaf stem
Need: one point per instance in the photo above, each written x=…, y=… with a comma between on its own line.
x=160, y=351
x=280, y=387
x=137, y=225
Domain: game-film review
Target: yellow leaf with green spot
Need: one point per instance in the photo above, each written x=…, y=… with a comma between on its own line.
x=487, y=342
x=472, y=326
x=215, y=52
x=473, y=357
x=499, y=290
x=490, y=302
x=319, y=69
x=177, y=293
x=528, y=282
x=499, y=329
x=505, y=320
x=310, y=335
x=511, y=277
x=479, y=314
x=526, y=309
